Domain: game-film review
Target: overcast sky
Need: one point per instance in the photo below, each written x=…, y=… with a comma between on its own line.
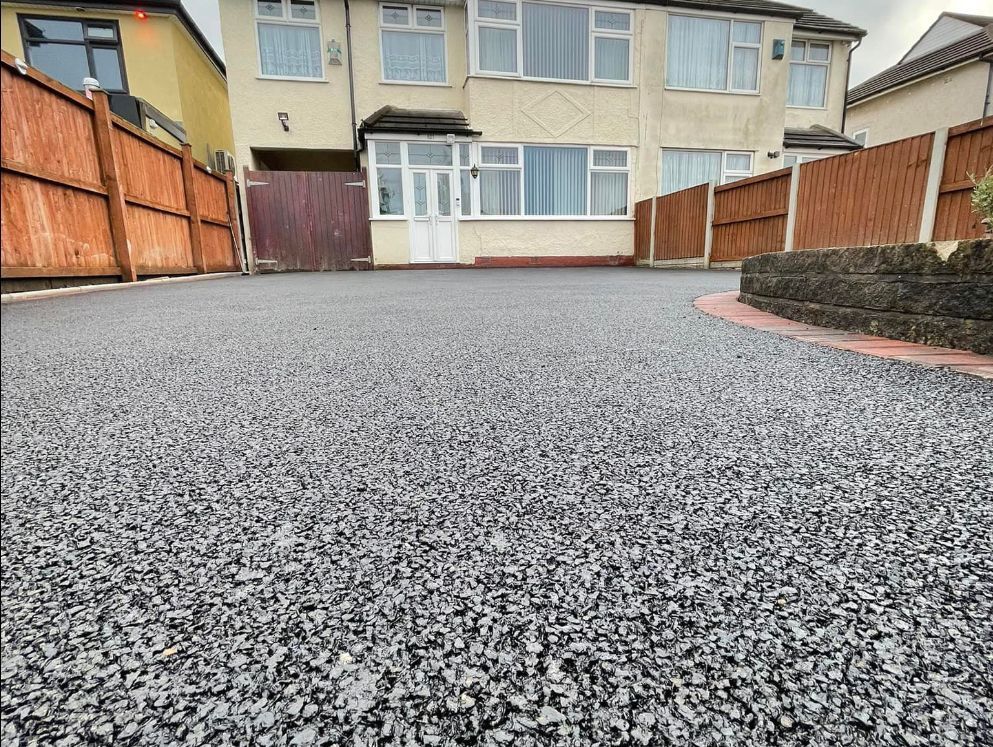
x=893, y=25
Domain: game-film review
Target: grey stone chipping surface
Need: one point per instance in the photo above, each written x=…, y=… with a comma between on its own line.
x=495, y=507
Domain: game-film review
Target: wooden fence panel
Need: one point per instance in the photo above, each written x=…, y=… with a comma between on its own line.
x=212, y=196
x=51, y=226
x=872, y=196
x=59, y=196
x=750, y=216
x=643, y=230
x=59, y=124
x=681, y=223
x=148, y=172
x=969, y=153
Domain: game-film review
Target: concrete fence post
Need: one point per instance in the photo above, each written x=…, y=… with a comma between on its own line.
x=708, y=239
x=651, y=232
x=933, y=188
x=791, y=210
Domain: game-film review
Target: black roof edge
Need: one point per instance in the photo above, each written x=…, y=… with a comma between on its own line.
x=171, y=7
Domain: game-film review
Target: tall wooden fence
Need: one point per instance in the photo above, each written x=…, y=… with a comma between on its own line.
x=86, y=194
x=917, y=189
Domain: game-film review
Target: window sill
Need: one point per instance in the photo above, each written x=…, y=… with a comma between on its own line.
x=552, y=218
x=292, y=78
x=711, y=90
x=413, y=83
x=556, y=81
x=807, y=108
x=388, y=218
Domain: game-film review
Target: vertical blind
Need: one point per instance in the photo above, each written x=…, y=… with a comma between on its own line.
x=611, y=58
x=414, y=56
x=608, y=193
x=290, y=51
x=807, y=85
x=554, y=180
x=687, y=168
x=499, y=192
x=556, y=41
x=497, y=50
x=697, y=53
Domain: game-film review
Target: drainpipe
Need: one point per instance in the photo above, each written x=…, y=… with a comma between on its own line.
x=351, y=87
x=848, y=82
x=988, y=103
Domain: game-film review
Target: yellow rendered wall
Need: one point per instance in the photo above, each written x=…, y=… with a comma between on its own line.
x=164, y=66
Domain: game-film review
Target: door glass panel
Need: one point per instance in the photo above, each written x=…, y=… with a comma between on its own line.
x=429, y=154
x=420, y=194
x=444, y=193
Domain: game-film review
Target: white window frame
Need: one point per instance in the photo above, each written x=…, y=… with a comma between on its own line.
x=519, y=166
x=412, y=27
x=802, y=158
x=863, y=131
x=731, y=46
x=806, y=61
x=728, y=176
x=286, y=19
x=477, y=22
x=373, y=180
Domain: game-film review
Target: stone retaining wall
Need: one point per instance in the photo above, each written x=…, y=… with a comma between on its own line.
x=932, y=294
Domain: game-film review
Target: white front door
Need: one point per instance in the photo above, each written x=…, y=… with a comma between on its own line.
x=433, y=225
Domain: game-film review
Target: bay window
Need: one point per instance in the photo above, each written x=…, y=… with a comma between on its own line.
x=711, y=54
x=553, y=180
x=412, y=40
x=549, y=41
x=682, y=169
x=289, y=38
x=809, y=64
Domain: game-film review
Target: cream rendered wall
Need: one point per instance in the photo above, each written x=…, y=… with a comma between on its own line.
x=833, y=114
x=943, y=100
x=713, y=120
x=547, y=238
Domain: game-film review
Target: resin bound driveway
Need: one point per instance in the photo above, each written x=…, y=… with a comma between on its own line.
x=490, y=507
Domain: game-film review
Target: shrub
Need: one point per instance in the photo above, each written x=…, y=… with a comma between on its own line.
x=982, y=197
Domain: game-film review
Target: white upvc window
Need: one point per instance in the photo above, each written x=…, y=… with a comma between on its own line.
x=713, y=54
x=792, y=159
x=388, y=168
x=553, y=181
x=552, y=41
x=682, y=169
x=289, y=39
x=412, y=44
x=810, y=63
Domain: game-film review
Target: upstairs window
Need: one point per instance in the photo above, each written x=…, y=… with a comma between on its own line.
x=710, y=54
x=412, y=39
x=682, y=169
x=547, y=41
x=70, y=50
x=289, y=35
x=809, y=63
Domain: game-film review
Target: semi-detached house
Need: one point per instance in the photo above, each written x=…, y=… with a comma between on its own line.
x=525, y=129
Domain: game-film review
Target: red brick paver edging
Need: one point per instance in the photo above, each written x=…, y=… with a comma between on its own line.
x=727, y=306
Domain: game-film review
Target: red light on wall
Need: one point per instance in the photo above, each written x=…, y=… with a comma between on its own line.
x=140, y=15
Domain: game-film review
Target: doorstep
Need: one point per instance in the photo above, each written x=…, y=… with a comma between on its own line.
x=727, y=306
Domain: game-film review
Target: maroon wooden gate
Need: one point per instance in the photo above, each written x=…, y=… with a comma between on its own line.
x=309, y=220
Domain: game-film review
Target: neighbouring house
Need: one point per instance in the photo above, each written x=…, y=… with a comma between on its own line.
x=525, y=130
x=945, y=79
x=160, y=71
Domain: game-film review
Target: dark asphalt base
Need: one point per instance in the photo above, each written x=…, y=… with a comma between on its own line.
x=492, y=507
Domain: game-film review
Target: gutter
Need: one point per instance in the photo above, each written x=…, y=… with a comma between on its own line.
x=351, y=87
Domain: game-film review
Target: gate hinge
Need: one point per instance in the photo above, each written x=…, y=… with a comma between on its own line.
x=362, y=259
x=251, y=183
x=355, y=184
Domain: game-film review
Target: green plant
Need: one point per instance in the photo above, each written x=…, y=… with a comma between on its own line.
x=982, y=197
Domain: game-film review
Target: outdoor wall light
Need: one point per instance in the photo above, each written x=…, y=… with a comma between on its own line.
x=334, y=53
x=778, y=49
x=284, y=119
x=774, y=154
x=474, y=171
